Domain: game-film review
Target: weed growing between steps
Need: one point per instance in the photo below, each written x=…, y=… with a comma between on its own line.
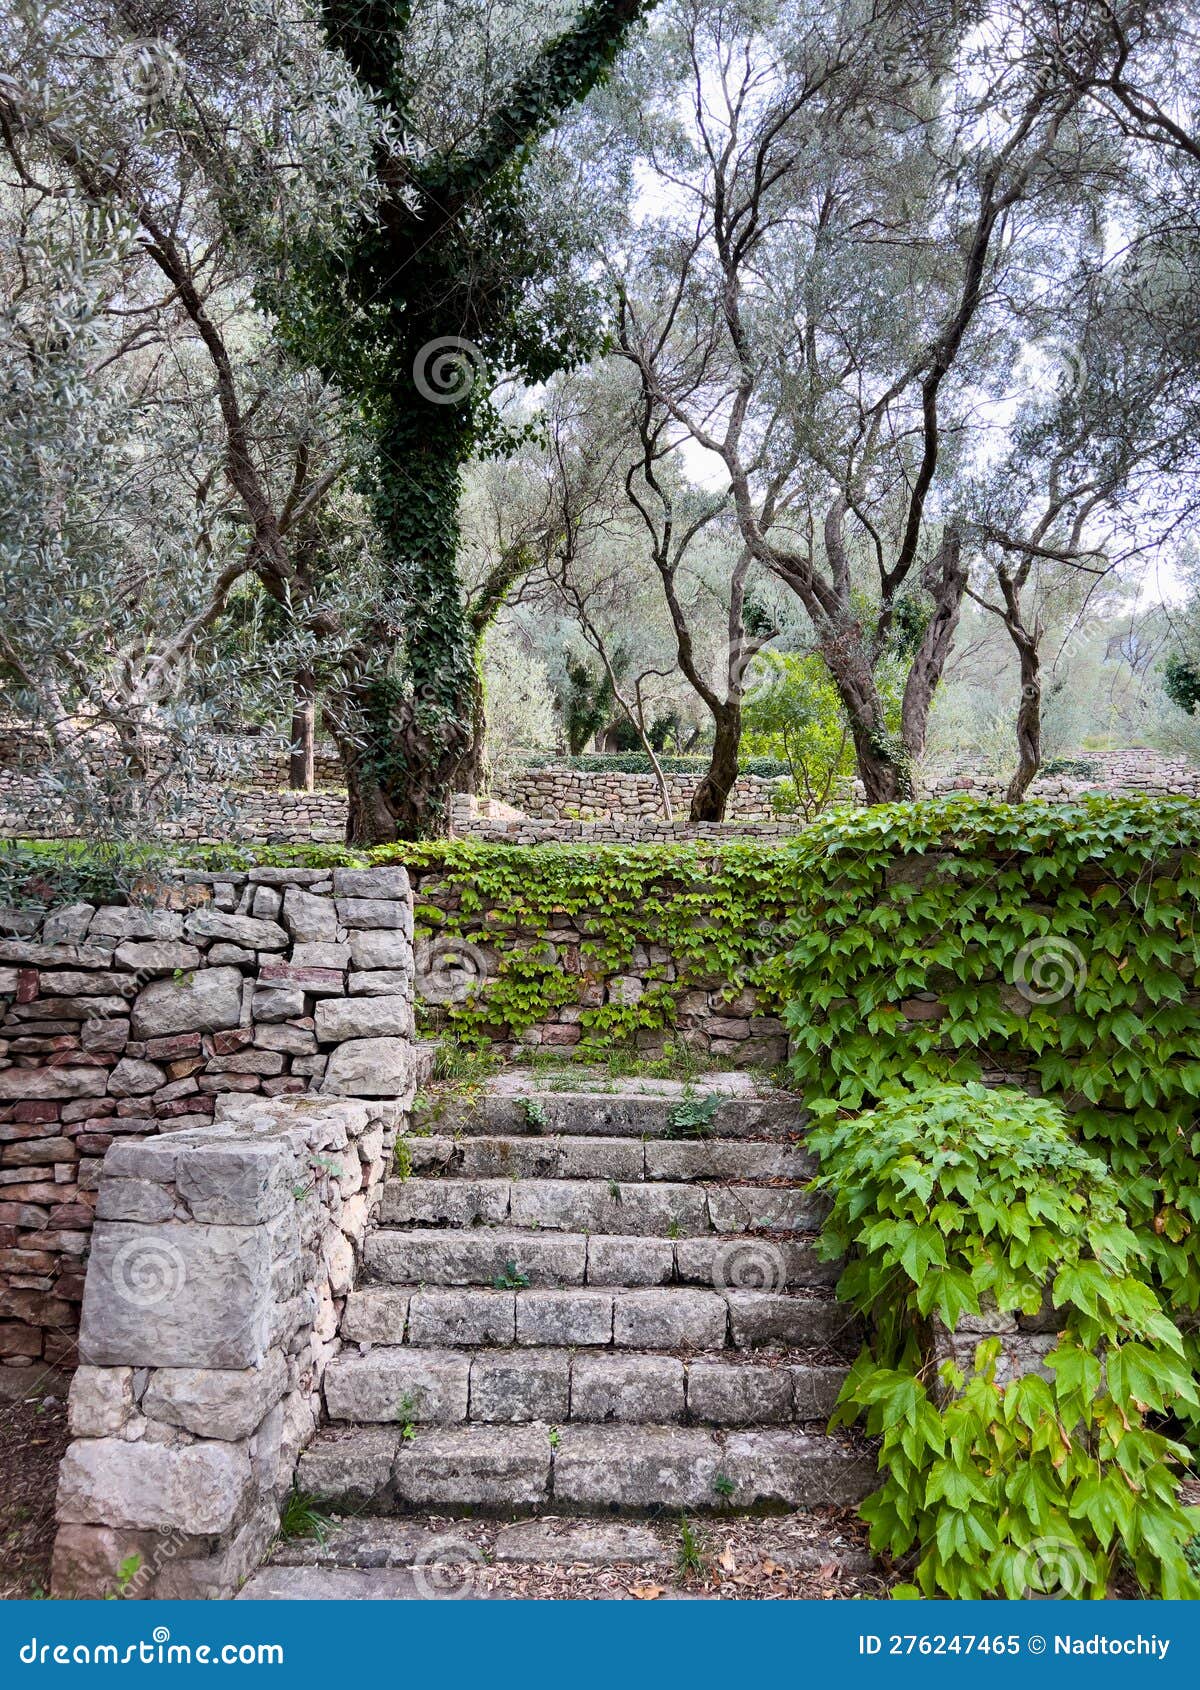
x=961, y=1201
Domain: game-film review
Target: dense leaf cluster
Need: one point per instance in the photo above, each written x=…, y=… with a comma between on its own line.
x=959, y=1201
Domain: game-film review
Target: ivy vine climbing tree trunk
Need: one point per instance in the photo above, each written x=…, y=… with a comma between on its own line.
x=425, y=301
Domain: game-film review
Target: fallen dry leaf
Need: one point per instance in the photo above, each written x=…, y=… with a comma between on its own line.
x=648, y=1592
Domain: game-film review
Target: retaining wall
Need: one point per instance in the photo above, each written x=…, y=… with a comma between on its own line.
x=121, y=1021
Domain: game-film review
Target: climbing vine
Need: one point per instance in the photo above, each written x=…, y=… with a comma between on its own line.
x=958, y=1201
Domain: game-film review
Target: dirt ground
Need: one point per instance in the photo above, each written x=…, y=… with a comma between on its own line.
x=33, y=1437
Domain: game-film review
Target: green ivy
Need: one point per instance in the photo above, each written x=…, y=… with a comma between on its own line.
x=962, y=1201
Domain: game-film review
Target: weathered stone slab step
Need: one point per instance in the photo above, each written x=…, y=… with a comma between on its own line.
x=480, y=1255
x=606, y=1114
x=622, y=1159
x=454, y=1557
x=667, y=1317
x=581, y=1469
x=406, y=1385
x=645, y=1209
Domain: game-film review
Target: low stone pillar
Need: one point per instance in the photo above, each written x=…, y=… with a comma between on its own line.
x=221, y=1258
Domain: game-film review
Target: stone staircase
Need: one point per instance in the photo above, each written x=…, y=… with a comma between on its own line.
x=590, y=1304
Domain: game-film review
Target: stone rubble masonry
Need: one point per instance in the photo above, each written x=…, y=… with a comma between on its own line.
x=121, y=1021
x=218, y=1273
x=732, y=1028
x=529, y=805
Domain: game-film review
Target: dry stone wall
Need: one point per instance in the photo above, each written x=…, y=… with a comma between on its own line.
x=120, y=1021
x=221, y=1260
x=730, y=1028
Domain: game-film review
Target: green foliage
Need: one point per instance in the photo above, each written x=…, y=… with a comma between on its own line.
x=693, y=1118
x=690, y=1558
x=793, y=715
x=535, y=1115
x=511, y=1279
x=711, y=909
x=1063, y=941
x=300, y=1517
x=1181, y=683
x=955, y=1201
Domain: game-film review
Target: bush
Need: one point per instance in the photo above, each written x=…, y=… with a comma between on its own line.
x=957, y=1199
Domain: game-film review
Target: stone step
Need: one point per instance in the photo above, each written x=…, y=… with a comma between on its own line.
x=668, y=1317
x=479, y=1255
x=622, y=1159
x=646, y=1209
x=469, y=1557
x=405, y=1385
x=510, y=1470
x=609, y=1114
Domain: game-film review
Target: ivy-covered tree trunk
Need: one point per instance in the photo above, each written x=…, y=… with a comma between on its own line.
x=413, y=719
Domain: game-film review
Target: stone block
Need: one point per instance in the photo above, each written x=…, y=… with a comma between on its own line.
x=100, y=1402
x=485, y=1468
x=369, y=1068
x=176, y=1296
x=352, y=1473
x=515, y=1387
x=310, y=919
x=134, y=1200
x=224, y=1403
x=386, y=949
x=52, y=1083
x=243, y=930
x=610, y=1467
x=616, y=1260
x=209, y=1000
x=398, y=1385
x=162, y=956
x=631, y=1389
x=453, y=1202
x=240, y=1182
x=197, y=1489
x=375, y=1317
x=134, y=1078
x=668, y=1319
x=562, y=1318
x=381, y=983
x=338, y=1019
x=374, y=913
x=460, y=1318
x=720, y=1393
x=389, y=882
x=277, y=1003
x=130, y=923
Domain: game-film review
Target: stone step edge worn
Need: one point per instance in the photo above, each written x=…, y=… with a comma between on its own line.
x=578, y=1469
x=473, y=1257
x=392, y=1384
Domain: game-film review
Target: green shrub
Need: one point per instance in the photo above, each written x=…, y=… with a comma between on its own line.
x=955, y=1199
